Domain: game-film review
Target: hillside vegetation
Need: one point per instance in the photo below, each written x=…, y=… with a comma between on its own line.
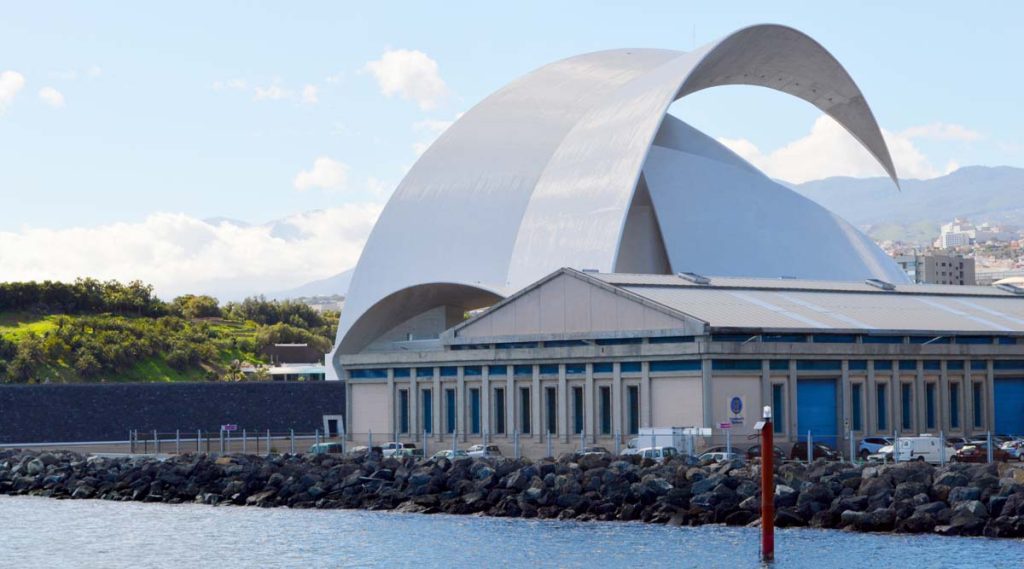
x=93, y=331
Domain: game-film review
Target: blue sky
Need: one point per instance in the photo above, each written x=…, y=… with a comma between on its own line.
x=117, y=114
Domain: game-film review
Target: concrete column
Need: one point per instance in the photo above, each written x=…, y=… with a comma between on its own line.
x=485, y=402
x=846, y=417
x=990, y=398
x=942, y=399
x=967, y=388
x=535, y=406
x=707, y=393
x=896, y=389
x=871, y=401
x=461, y=407
x=590, y=410
x=392, y=405
x=435, y=403
x=415, y=425
x=563, y=404
x=920, y=405
x=511, y=424
x=791, y=402
x=645, y=394
x=617, y=397
x=348, y=406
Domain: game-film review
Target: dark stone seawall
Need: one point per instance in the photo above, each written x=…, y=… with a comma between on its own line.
x=103, y=412
x=908, y=498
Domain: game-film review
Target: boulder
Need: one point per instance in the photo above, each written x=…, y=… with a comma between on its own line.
x=787, y=517
x=963, y=494
x=785, y=496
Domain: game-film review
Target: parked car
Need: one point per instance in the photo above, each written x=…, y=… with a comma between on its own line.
x=658, y=454
x=484, y=451
x=408, y=453
x=327, y=448
x=818, y=450
x=754, y=452
x=926, y=448
x=742, y=451
x=884, y=454
x=870, y=445
x=390, y=448
x=592, y=451
x=717, y=457
x=1015, y=448
x=979, y=453
x=457, y=454
x=956, y=442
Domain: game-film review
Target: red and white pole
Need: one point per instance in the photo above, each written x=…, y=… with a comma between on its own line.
x=767, y=488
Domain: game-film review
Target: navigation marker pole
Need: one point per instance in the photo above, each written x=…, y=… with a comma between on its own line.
x=767, y=487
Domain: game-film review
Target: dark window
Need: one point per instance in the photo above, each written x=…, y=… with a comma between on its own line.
x=954, y=405
x=449, y=371
x=577, y=410
x=979, y=365
x=906, y=401
x=931, y=340
x=778, y=408
x=472, y=371
x=908, y=365
x=549, y=369
x=524, y=410
x=882, y=339
x=955, y=365
x=516, y=345
x=428, y=411
x=401, y=372
x=424, y=372
x=497, y=370
x=630, y=367
x=883, y=365
x=499, y=411
x=633, y=409
x=606, y=410
x=676, y=365
x=835, y=339
x=733, y=338
x=551, y=403
x=1006, y=340
x=523, y=370
x=1007, y=365
x=929, y=406
x=403, y=411
x=778, y=365
x=883, y=423
x=459, y=347
x=603, y=367
x=736, y=365
x=819, y=365
x=563, y=343
x=474, y=411
x=857, y=406
x=670, y=340
x=575, y=369
x=932, y=365
x=618, y=341
x=975, y=340
x=857, y=365
x=976, y=396
x=450, y=416
x=378, y=373
x=790, y=338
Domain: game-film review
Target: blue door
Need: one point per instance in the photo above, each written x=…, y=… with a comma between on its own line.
x=1009, y=394
x=816, y=410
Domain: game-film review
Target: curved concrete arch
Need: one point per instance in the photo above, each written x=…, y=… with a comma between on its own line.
x=542, y=173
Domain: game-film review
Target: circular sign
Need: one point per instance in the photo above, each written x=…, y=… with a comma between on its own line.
x=736, y=405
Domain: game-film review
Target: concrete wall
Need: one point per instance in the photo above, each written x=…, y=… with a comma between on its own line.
x=83, y=412
x=676, y=401
x=373, y=410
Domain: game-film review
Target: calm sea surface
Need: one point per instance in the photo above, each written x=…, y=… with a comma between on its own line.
x=41, y=532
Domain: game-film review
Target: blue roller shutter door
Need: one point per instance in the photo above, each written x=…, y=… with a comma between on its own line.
x=816, y=410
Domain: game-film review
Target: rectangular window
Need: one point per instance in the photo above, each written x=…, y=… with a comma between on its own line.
x=979, y=365
x=618, y=341
x=449, y=371
x=676, y=365
x=932, y=365
x=472, y=371
x=883, y=365
x=499, y=410
x=857, y=405
x=424, y=372
x=630, y=367
x=835, y=339
x=976, y=393
x=778, y=365
x=818, y=365
x=1008, y=365
x=549, y=369
x=575, y=369
x=633, y=409
x=931, y=340
x=929, y=406
x=474, y=411
x=428, y=410
x=736, y=365
x=577, y=410
x=606, y=410
x=882, y=339
x=564, y=343
x=906, y=400
x=857, y=365
x=603, y=367
x=450, y=413
x=551, y=405
x=883, y=424
x=975, y=340
x=670, y=340
x=401, y=372
x=379, y=373
x=954, y=405
x=497, y=370
x=523, y=370
x=784, y=338
x=524, y=410
x=778, y=408
x=733, y=338
x=403, y=411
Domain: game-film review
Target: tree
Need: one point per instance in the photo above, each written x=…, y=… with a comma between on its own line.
x=192, y=306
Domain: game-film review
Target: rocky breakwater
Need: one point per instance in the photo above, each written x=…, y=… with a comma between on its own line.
x=911, y=498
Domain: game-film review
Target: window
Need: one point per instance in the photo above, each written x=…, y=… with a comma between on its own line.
x=577, y=410
x=778, y=365
x=499, y=410
x=908, y=365
x=857, y=365
x=835, y=339
x=677, y=365
x=428, y=411
x=856, y=404
x=883, y=424
x=954, y=405
x=497, y=370
x=931, y=340
x=450, y=371
x=606, y=410
x=575, y=369
x=790, y=338
x=449, y=398
x=524, y=410
x=563, y=343
x=932, y=365
x=424, y=372
x=778, y=408
x=929, y=406
x=474, y=411
x=955, y=365
x=551, y=405
x=630, y=367
x=472, y=371
x=523, y=370
x=516, y=345
x=976, y=397
x=549, y=369
x=818, y=365
x=603, y=367
x=979, y=365
x=975, y=340
x=403, y=411
x=670, y=340
x=883, y=365
x=379, y=373
x=1008, y=365
x=732, y=338
x=633, y=409
x=401, y=372
x=618, y=341
x=736, y=365
x=906, y=395
x=882, y=339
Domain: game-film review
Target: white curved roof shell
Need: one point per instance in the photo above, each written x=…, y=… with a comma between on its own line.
x=577, y=164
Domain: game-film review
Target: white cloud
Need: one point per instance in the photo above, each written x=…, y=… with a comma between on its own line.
x=272, y=92
x=233, y=84
x=10, y=83
x=829, y=150
x=178, y=253
x=51, y=97
x=310, y=95
x=411, y=74
x=327, y=174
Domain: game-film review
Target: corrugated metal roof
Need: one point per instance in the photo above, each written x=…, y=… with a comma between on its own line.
x=760, y=303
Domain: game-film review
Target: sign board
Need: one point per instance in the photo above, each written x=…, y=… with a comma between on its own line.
x=229, y=427
x=725, y=425
x=736, y=405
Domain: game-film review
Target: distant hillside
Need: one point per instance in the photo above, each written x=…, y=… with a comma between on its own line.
x=330, y=286
x=979, y=193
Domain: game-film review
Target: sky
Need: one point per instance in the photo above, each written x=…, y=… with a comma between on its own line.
x=240, y=147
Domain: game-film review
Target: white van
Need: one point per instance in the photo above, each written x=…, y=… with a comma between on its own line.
x=658, y=454
x=925, y=449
